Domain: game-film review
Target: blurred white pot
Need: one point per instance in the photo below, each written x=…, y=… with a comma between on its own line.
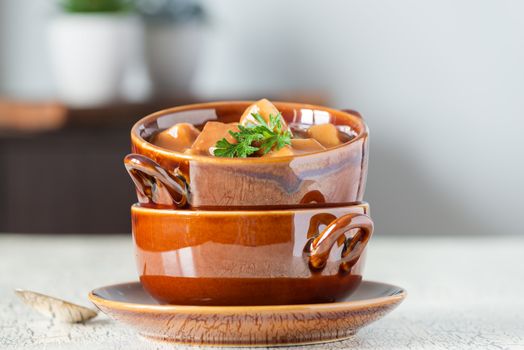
x=88, y=56
x=172, y=54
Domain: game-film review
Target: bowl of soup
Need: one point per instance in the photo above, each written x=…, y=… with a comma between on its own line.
x=246, y=154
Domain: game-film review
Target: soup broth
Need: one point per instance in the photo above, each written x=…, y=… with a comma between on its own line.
x=260, y=132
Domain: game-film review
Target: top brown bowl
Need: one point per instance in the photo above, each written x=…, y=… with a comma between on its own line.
x=173, y=179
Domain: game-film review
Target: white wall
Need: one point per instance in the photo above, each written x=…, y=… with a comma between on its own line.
x=24, y=64
x=441, y=84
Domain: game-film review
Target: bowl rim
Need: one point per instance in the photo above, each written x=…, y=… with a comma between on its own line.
x=136, y=139
x=250, y=212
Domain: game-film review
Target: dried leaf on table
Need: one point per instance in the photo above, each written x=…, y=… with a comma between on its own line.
x=54, y=308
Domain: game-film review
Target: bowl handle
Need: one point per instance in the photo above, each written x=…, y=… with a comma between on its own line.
x=353, y=112
x=154, y=185
x=318, y=248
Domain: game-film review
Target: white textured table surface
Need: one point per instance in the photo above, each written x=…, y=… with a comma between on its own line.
x=464, y=293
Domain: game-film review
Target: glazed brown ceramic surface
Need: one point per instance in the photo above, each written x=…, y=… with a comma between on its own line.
x=337, y=175
x=251, y=257
x=247, y=326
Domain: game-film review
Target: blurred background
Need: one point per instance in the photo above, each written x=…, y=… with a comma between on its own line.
x=440, y=83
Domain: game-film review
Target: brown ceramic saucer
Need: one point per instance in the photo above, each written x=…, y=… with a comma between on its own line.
x=247, y=325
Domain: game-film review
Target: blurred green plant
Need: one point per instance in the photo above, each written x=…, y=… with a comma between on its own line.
x=95, y=6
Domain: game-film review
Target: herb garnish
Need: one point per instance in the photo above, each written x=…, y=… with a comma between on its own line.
x=255, y=137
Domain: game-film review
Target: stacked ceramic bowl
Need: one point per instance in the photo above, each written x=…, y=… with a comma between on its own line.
x=249, y=231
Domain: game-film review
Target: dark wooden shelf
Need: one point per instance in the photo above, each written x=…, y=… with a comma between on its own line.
x=119, y=115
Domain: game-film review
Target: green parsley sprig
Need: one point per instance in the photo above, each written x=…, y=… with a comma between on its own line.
x=252, y=138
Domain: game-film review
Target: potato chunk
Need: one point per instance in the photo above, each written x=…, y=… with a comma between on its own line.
x=306, y=146
x=326, y=134
x=284, y=151
x=212, y=132
x=264, y=108
x=298, y=146
x=179, y=137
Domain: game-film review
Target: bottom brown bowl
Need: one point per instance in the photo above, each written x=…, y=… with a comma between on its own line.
x=276, y=325
x=265, y=257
